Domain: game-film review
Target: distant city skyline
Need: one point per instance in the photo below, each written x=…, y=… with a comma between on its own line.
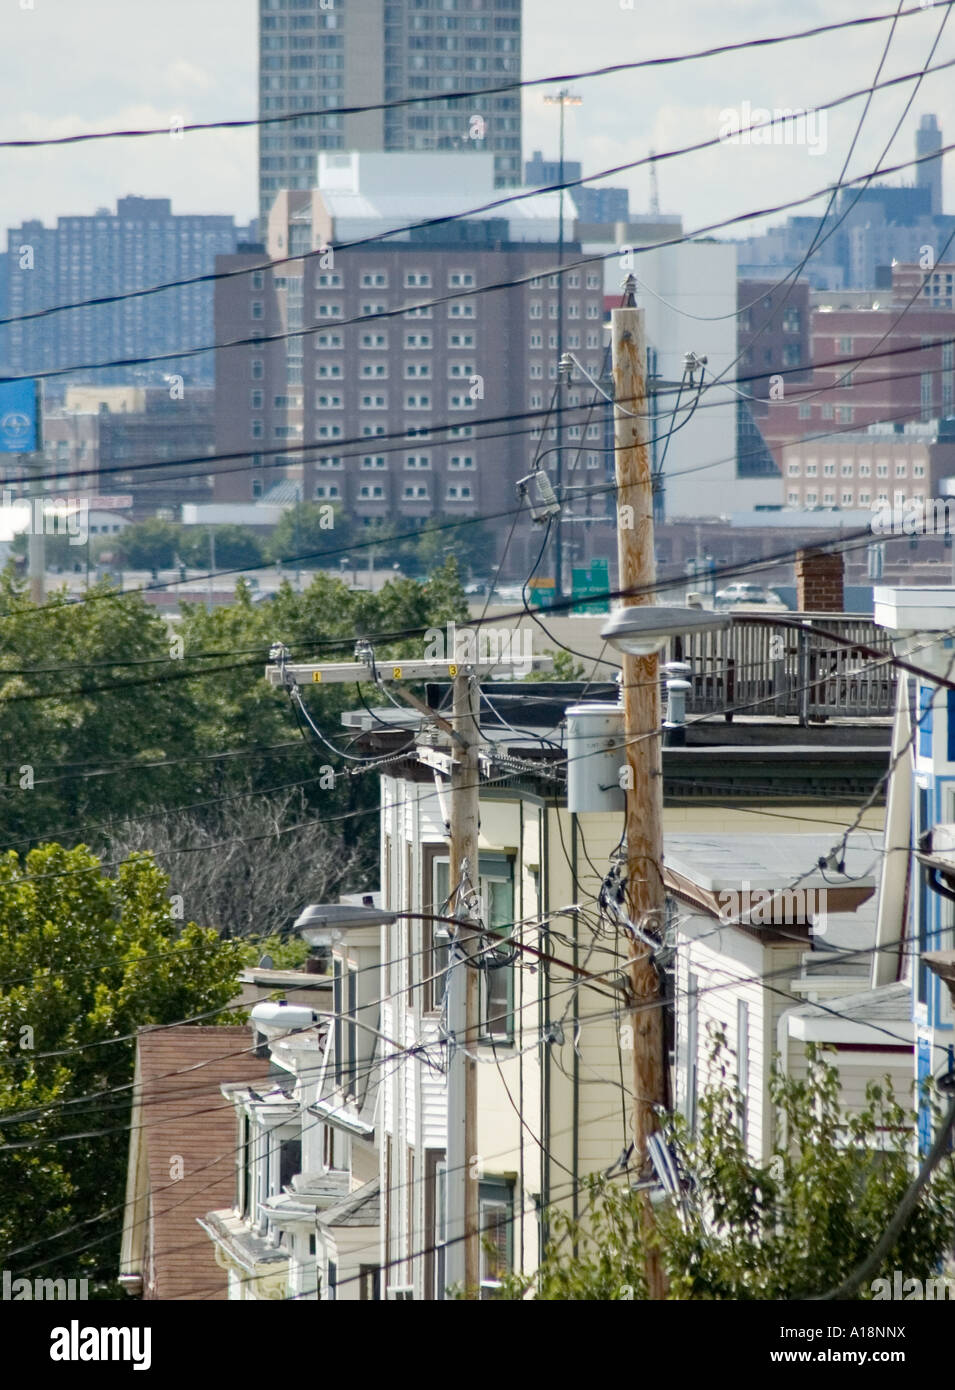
x=68, y=68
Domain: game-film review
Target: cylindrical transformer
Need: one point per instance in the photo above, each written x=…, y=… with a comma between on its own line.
x=596, y=753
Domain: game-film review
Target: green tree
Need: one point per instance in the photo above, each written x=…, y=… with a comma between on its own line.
x=566, y=667
x=308, y=529
x=792, y=1228
x=114, y=723
x=86, y=958
x=236, y=546
x=97, y=715
x=148, y=545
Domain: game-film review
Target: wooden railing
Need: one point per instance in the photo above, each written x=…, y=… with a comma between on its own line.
x=762, y=666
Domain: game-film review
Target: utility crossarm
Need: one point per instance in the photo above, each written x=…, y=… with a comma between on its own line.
x=347, y=672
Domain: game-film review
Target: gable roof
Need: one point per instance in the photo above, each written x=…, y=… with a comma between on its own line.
x=180, y=1121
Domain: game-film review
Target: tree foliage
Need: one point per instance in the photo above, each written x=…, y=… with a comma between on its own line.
x=791, y=1228
x=86, y=958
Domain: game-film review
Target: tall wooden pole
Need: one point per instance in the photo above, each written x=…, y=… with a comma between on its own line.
x=642, y=723
x=464, y=1243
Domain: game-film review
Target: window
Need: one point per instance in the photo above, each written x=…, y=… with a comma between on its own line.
x=328, y=310
x=420, y=279
x=328, y=280
x=843, y=345
x=847, y=498
x=792, y=499
x=417, y=401
x=373, y=370
x=373, y=461
x=371, y=491
x=847, y=468
x=325, y=341
x=460, y=340
x=460, y=279
x=424, y=312
x=461, y=311
x=374, y=340
x=458, y=493
x=328, y=402
x=461, y=461
x=417, y=341
x=497, y=984
x=372, y=307
x=496, y=1217
x=417, y=369
x=845, y=414
x=828, y=469
x=535, y=309
x=258, y=369
x=793, y=470
x=417, y=460
x=918, y=470
x=811, y=499
x=457, y=401
x=805, y=412
x=882, y=470
x=410, y=490
x=256, y=399
x=324, y=370
x=865, y=468
x=374, y=279
x=374, y=402
x=290, y=1161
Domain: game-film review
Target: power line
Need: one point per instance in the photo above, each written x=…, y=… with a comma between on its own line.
x=468, y=94
x=259, y=339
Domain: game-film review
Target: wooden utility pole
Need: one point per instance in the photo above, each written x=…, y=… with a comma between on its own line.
x=464, y=1244
x=642, y=723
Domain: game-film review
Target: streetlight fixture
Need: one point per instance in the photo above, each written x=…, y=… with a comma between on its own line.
x=643, y=630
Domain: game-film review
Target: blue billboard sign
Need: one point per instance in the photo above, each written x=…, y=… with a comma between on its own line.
x=19, y=432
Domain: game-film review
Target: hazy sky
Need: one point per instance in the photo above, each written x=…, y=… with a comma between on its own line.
x=72, y=65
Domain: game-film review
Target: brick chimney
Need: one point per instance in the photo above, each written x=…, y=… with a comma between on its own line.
x=819, y=575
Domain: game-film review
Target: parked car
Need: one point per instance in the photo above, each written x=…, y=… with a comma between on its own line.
x=749, y=595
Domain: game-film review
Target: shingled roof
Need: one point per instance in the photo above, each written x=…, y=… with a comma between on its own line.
x=181, y=1121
